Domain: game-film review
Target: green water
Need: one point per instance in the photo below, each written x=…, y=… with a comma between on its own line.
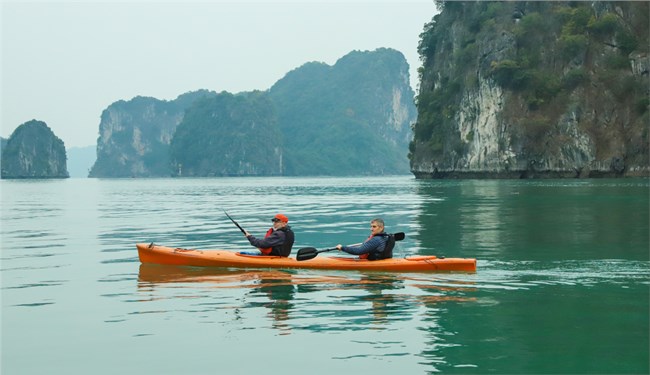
x=562, y=286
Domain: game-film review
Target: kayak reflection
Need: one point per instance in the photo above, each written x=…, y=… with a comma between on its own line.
x=311, y=299
x=381, y=298
x=221, y=277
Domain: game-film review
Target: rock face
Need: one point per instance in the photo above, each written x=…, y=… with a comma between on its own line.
x=353, y=118
x=33, y=151
x=534, y=89
x=134, y=136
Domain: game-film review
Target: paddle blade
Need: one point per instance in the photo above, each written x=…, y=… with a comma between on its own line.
x=399, y=236
x=306, y=253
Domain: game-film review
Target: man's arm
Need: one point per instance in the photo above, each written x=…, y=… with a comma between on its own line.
x=366, y=247
x=276, y=238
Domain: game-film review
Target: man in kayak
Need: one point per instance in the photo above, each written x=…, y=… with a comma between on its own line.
x=378, y=246
x=278, y=239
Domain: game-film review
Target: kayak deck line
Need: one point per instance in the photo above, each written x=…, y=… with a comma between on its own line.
x=157, y=254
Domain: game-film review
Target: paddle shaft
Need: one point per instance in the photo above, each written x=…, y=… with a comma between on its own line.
x=234, y=222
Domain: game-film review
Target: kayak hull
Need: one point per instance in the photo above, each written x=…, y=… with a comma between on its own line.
x=222, y=258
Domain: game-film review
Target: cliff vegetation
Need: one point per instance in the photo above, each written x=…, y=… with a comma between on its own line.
x=228, y=135
x=352, y=118
x=533, y=89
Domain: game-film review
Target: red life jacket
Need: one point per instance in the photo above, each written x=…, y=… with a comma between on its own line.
x=267, y=250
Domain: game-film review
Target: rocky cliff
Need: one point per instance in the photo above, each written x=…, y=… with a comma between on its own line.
x=352, y=118
x=533, y=89
x=33, y=151
x=134, y=136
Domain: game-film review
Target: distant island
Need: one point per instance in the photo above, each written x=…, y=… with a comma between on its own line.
x=352, y=118
x=33, y=151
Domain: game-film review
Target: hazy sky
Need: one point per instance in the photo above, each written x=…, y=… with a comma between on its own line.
x=65, y=62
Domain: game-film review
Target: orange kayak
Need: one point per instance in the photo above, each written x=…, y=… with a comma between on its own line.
x=157, y=254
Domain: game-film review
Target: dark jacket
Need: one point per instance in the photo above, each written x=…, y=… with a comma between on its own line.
x=377, y=247
x=280, y=241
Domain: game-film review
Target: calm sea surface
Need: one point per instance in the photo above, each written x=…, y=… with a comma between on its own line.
x=562, y=287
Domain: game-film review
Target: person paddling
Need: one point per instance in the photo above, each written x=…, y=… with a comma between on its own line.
x=278, y=239
x=378, y=246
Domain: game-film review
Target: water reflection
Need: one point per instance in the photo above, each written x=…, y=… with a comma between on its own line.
x=533, y=220
x=481, y=224
x=279, y=289
x=306, y=299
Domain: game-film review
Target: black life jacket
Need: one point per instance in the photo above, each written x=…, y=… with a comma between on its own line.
x=285, y=249
x=387, y=253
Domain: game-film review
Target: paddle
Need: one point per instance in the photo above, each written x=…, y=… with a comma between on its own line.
x=234, y=222
x=311, y=252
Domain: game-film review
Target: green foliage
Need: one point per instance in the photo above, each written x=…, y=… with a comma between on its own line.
x=428, y=42
x=641, y=105
x=572, y=46
x=506, y=73
x=561, y=51
x=467, y=55
x=335, y=116
x=603, y=26
x=574, y=78
x=437, y=109
x=435, y=145
x=626, y=86
x=493, y=9
x=139, y=132
x=626, y=42
x=534, y=35
x=228, y=135
x=575, y=20
x=528, y=33
x=616, y=61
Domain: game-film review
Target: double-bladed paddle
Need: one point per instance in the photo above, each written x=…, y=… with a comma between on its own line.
x=234, y=222
x=311, y=252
